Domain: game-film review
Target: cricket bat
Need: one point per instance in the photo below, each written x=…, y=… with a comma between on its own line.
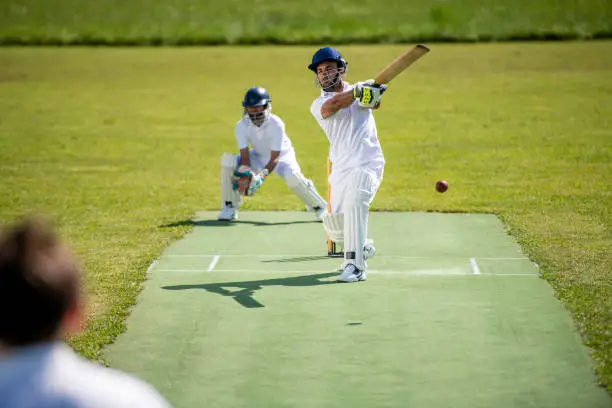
x=398, y=65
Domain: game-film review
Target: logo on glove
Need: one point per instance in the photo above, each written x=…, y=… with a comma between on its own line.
x=366, y=95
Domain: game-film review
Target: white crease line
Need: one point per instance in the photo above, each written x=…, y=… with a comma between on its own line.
x=213, y=263
x=322, y=257
x=423, y=272
x=504, y=259
x=475, y=267
x=375, y=272
x=151, y=266
x=246, y=255
x=511, y=274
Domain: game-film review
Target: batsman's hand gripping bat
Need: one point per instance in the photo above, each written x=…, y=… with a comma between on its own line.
x=398, y=65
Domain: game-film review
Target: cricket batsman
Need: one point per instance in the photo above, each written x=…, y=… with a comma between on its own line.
x=344, y=112
x=271, y=151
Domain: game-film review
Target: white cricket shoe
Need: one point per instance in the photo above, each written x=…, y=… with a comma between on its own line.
x=228, y=213
x=351, y=274
x=369, y=250
x=344, y=263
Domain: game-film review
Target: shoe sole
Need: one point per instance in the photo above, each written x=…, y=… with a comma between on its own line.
x=361, y=279
x=227, y=219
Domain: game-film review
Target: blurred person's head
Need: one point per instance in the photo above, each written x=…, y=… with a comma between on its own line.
x=40, y=287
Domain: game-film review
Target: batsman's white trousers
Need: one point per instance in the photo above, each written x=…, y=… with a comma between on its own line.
x=351, y=195
x=347, y=181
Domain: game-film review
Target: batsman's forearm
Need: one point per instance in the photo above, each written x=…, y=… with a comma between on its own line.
x=337, y=102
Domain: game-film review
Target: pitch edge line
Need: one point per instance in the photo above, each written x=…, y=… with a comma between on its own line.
x=213, y=263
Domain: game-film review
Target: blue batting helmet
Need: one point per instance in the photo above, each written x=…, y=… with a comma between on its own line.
x=326, y=54
x=256, y=96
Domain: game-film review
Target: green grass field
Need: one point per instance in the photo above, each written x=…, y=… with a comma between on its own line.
x=117, y=144
x=233, y=21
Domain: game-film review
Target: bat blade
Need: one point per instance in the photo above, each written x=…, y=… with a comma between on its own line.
x=398, y=65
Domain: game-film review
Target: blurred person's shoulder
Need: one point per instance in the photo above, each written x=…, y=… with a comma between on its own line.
x=109, y=386
x=61, y=378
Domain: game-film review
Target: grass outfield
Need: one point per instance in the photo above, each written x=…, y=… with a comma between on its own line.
x=115, y=144
x=238, y=21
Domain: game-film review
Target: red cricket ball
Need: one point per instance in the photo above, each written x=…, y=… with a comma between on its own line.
x=441, y=186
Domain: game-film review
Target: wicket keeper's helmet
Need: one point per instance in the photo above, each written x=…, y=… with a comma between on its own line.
x=326, y=54
x=256, y=96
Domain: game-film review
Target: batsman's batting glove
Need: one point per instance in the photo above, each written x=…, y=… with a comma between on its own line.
x=368, y=94
x=358, y=89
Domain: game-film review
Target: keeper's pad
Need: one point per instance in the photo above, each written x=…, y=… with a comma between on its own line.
x=334, y=226
x=229, y=163
x=361, y=189
x=305, y=189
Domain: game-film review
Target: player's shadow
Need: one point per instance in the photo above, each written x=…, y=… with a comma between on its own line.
x=216, y=223
x=243, y=291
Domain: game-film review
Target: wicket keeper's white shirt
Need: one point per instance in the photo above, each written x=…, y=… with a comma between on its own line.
x=352, y=135
x=52, y=375
x=270, y=136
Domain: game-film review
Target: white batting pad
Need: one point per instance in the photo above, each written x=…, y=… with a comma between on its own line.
x=334, y=226
x=305, y=189
x=361, y=189
x=228, y=194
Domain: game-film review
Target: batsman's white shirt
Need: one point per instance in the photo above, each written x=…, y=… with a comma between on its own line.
x=352, y=136
x=271, y=136
x=353, y=139
x=51, y=375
